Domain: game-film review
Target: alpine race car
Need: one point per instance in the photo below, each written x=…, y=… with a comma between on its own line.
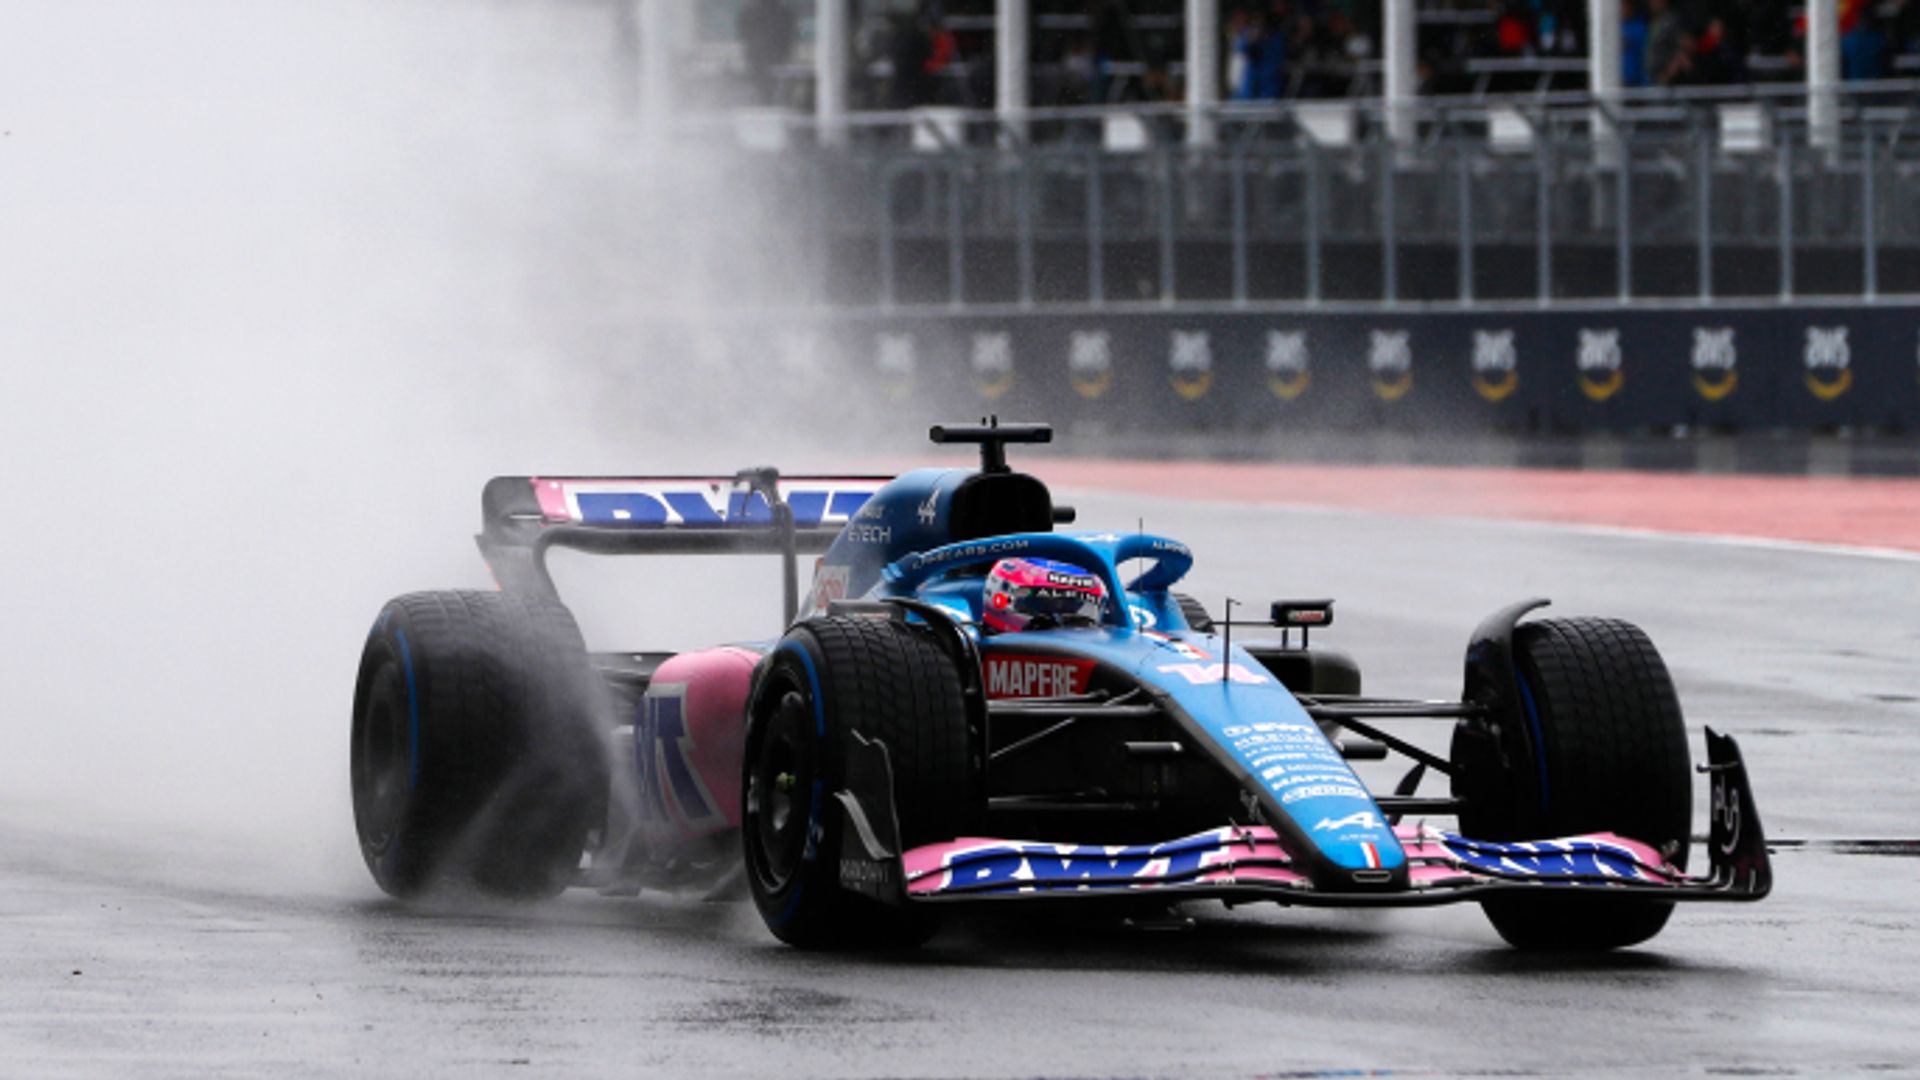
x=897, y=752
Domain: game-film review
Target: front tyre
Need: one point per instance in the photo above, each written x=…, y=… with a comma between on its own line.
x=1604, y=750
x=828, y=678
x=478, y=761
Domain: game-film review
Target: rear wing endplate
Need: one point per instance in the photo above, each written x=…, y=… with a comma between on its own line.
x=754, y=511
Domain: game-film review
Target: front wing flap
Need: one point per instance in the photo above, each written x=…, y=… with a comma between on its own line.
x=1239, y=862
x=1247, y=862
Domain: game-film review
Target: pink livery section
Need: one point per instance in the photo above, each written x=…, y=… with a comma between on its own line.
x=1220, y=859
x=688, y=741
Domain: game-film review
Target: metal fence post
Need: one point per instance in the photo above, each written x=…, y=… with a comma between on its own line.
x=1786, y=215
x=1464, y=167
x=956, y=237
x=1240, y=225
x=1025, y=252
x=1543, y=220
x=1389, y=224
x=1166, y=226
x=1623, y=214
x=888, y=292
x=1313, y=222
x=1869, y=213
x=820, y=250
x=1703, y=200
x=1096, y=236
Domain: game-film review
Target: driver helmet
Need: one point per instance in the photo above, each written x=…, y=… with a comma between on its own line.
x=1032, y=594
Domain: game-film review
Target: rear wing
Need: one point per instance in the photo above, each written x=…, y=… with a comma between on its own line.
x=754, y=511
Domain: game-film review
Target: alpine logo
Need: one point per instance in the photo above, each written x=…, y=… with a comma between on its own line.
x=1365, y=819
x=1036, y=676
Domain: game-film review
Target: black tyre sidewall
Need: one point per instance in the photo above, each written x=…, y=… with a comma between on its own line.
x=509, y=763
x=1199, y=619
x=1604, y=726
x=894, y=685
x=395, y=842
x=802, y=909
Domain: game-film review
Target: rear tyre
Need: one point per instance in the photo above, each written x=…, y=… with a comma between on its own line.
x=1195, y=612
x=478, y=761
x=830, y=677
x=1612, y=757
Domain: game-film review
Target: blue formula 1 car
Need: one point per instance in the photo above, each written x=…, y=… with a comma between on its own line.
x=970, y=707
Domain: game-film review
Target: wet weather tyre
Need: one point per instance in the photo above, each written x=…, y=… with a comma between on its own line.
x=828, y=678
x=1199, y=620
x=1604, y=750
x=478, y=760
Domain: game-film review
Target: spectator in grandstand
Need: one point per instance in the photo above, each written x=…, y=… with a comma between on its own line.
x=1348, y=41
x=1114, y=42
x=1259, y=57
x=1718, y=55
x=1158, y=84
x=1864, y=51
x=1075, y=86
x=1512, y=28
x=910, y=51
x=1669, y=46
x=766, y=30
x=1633, y=44
x=1313, y=56
x=1560, y=28
x=1903, y=25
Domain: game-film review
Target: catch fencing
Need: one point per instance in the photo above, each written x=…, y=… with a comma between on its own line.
x=1658, y=262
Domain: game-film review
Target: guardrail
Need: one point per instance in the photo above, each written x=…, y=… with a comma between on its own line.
x=1704, y=195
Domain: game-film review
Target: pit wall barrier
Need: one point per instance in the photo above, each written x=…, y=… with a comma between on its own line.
x=1602, y=369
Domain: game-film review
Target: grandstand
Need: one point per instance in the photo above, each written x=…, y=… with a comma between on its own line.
x=1718, y=193
x=1091, y=52
x=1498, y=175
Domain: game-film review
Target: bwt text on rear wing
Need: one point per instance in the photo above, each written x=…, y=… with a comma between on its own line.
x=754, y=511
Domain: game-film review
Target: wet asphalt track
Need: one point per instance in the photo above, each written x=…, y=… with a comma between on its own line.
x=171, y=958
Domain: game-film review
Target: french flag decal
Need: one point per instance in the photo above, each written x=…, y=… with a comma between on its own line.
x=1372, y=853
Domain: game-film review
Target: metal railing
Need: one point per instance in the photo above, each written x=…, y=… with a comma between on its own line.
x=1722, y=192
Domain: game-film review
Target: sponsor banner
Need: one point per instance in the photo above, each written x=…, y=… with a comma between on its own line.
x=642, y=503
x=1493, y=370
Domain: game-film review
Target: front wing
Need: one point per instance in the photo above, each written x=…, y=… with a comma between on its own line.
x=1248, y=862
